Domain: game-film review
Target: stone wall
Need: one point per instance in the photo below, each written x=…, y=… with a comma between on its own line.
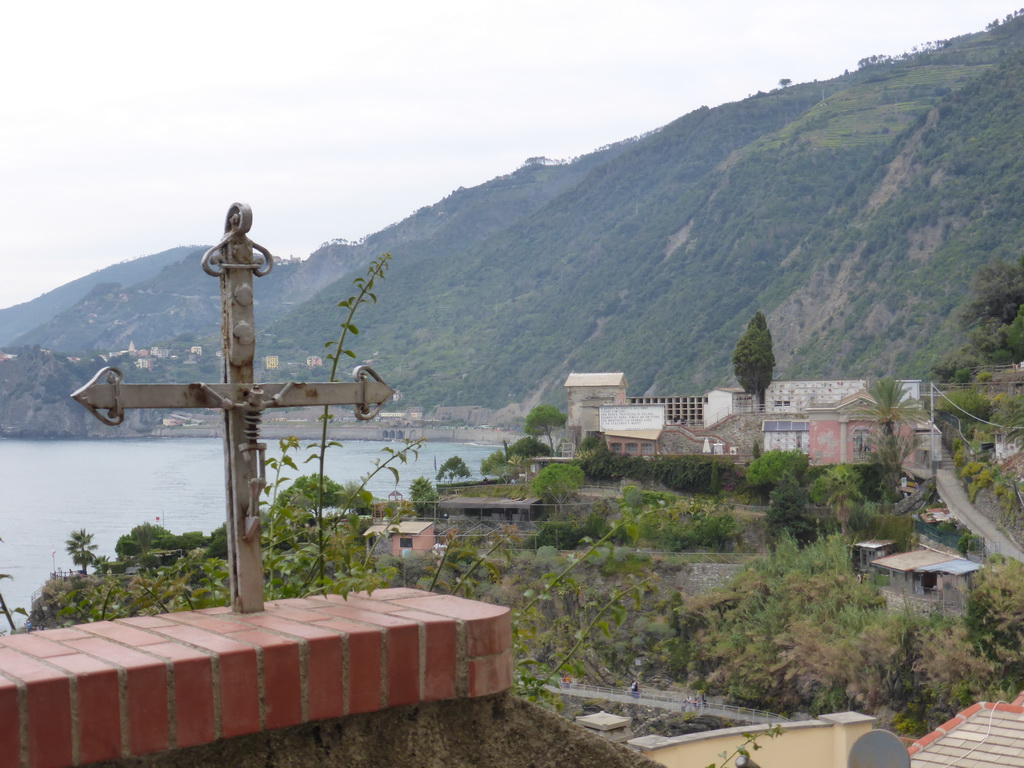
x=915, y=500
x=739, y=431
x=698, y=578
x=1011, y=524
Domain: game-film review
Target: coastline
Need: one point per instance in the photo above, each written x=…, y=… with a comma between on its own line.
x=376, y=431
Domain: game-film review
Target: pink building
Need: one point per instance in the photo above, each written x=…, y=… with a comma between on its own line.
x=839, y=435
x=405, y=537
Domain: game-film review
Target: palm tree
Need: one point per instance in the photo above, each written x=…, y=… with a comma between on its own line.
x=841, y=487
x=889, y=407
x=81, y=548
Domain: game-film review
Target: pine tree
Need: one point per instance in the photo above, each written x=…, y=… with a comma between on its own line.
x=753, y=359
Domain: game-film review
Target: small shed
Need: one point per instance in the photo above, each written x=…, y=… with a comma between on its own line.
x=925, y=572
x=405, y=536
x=866, y=552
x=491, y=508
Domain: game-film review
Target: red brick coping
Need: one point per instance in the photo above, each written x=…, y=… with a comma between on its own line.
x=135, y=686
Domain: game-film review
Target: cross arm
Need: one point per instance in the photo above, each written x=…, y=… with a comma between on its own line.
x=106, y=392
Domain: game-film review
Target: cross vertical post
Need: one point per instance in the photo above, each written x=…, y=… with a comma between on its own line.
x=232, y=260
x=235, y=260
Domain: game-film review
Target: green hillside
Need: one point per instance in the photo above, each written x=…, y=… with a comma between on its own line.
x=854, y=221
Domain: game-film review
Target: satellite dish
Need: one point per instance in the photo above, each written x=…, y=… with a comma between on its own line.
x=878, y=749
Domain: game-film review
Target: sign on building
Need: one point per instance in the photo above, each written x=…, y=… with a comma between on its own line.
x=628, y=418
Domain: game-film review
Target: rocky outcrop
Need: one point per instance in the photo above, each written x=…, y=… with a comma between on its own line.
x=35, y=399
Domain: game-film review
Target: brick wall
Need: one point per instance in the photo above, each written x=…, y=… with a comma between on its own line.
x=145, y=685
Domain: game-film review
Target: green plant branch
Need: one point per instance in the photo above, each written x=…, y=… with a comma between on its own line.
x=376, y=270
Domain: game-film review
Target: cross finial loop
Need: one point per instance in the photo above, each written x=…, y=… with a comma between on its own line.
x=236, y=224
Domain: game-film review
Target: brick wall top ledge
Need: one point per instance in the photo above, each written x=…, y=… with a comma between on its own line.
x=135, y=686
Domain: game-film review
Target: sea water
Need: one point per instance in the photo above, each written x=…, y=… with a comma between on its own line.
x=53, y=487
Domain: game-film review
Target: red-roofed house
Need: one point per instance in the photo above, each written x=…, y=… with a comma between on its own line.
x=984, y=734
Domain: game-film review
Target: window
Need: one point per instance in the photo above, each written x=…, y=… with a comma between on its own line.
x=631, y=449
x=648, y=449
x=405, y=542
x=861, y=441
x=616, y=447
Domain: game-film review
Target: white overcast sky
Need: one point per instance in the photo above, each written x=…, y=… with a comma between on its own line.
x=127, y=128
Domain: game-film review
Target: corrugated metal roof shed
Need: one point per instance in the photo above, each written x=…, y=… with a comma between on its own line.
x=486, y=502
x=957, y=566
x=912, y=561
x=874, y=543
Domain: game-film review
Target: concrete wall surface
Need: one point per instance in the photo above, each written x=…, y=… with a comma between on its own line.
x=822, y=743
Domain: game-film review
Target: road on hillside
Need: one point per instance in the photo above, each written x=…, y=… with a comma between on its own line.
x=956, y=500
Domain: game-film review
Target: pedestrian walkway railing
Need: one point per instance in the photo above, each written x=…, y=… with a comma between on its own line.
x=671, y=700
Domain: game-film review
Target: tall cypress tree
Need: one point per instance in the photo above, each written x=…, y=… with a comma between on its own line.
x=753, y=360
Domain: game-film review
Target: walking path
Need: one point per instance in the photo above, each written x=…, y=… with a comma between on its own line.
x=676, y=702
x=956, y=500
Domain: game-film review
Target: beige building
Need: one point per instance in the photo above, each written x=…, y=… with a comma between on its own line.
x=821, y=743
x=586, y=393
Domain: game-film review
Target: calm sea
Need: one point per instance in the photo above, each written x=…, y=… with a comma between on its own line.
x=53, y=487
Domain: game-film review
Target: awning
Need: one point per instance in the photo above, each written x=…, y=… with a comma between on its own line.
x=636, y=434
x=955, y=567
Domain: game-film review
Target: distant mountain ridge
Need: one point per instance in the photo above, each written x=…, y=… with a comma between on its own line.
x=853, y=212
x=22, y=318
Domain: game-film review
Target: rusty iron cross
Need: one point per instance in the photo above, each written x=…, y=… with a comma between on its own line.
x=243, y=401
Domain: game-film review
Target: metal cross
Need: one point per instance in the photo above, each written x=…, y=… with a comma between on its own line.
x=243, y=401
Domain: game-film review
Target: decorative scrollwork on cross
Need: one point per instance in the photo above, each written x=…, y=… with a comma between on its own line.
x=236, y=228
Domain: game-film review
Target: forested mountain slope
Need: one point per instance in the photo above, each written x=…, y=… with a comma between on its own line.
x=853, y=212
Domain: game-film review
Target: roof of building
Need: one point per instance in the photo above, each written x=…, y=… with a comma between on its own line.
x=875, y=543
x=596, y=380
x=403, y=528
x=915, y=560
x=786, y=426
x=957, y=567
x=635, y=434
x=486, y=502
x=984, y=734
x=850, y=402
x=603, y=721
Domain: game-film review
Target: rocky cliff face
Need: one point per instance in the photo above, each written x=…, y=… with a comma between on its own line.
x=35, y=399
